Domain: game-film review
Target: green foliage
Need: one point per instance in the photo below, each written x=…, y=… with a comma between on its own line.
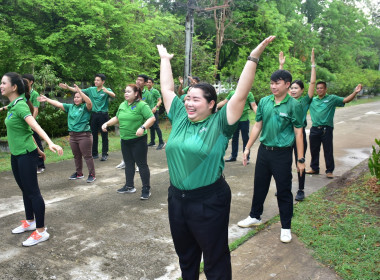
x=374, y=161
x=53, y=120
x=47, y=79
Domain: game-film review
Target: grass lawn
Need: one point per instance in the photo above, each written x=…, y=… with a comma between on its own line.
x=342, y=227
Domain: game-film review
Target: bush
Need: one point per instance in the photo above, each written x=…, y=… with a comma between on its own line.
x=53, y=120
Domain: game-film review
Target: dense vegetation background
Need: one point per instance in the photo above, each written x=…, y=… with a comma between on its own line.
x=71, y=40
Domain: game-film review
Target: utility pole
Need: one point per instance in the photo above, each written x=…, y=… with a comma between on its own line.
x=189, y=30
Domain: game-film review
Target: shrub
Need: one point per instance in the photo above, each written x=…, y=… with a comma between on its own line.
x=374, y=162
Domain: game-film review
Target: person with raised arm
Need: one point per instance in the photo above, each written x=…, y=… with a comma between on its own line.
x=99, y=96
x=78, y=118
x=24, y=156
x=134, y=117
x=199, y=198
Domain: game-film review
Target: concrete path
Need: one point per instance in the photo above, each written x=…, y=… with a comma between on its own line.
x=97, y=233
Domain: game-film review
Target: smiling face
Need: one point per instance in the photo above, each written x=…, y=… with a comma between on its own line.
x=6, y=87
x=197, y=106
x=321, y=90
x=78, y=99
x=98, y=82
x=295, y=90
x=279, y=88
x=130, y=95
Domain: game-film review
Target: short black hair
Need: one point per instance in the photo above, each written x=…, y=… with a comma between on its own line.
x=298, y=82
x=151, y=79
x=281, y=75
x=145, y=77
x=196, y=78
x=29, y=77
x=322, y=83
x=101, y=76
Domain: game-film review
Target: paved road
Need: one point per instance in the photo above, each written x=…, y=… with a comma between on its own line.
x=99, y=234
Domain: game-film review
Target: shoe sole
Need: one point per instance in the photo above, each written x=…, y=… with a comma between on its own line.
x=145, y=198
x=298, y=199
x=91, y=181
x=76, y=178
x=24, y=231
x=249, y=226
x=285, y=241
x=38, y=241
x=312, y=172
x=127, y=191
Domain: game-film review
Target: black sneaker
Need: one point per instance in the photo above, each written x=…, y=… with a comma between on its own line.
x=300, y=195
x=104, y=158
x=230, y=159
x=75, y=176
x=95, y=156
x=145, y=193
x=126, y=189
x=151, y=144
x=161, y=146
x=91, y=178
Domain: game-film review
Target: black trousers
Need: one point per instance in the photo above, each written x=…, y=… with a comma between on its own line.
x=24, y=168
x=322, y=135
x=276, y=163
x=156, y=128
x=97, y=120
x=37, y=138
x=243, y=126
x=301, y=179
x=199, y=224
x=136, y=151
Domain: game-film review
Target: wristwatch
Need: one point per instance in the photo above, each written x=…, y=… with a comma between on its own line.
x=143, y=127
x=301, y=160
x=254, y=59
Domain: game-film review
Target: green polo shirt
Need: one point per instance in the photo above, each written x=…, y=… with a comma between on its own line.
x=19, y=133
x=154, y=96
x=305, y=103
x=247, y=107
x=131, y=117
x=99, y=99
x=195, y=150
x=185, y=90
x=78, y=117
x=33, y=98
x=146, y=96
x=182, y=97
x=322, y=110
x=279, y=120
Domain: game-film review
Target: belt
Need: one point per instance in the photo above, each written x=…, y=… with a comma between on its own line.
x=322, y=126
x=275, y=148
x=103, y=113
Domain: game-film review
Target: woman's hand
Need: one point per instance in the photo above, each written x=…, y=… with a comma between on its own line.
x=42, y=98
x=140, y=132
x=63, y=85
x=281, y=59
x=245, y=156
x=261, y=47
x=41, y=154
x=104, y=127
x=163, y=52
x=56, y=149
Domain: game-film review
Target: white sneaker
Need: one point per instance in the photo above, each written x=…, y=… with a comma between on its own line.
x=121, y=165
x=36, y=238
x=25, y=226
x=249, y=222
x=137, y=169
x=286, y=235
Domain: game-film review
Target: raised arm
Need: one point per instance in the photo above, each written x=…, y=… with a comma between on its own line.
x=110, y=93
x=313, y=76
x=352, y=95
x=236, y=104
x=281, y=60
x=166, y=77
x=180, y=88
x=55, y=103
x=221, y=103
x=65, y=86
x=36, y=127
x=85, y=98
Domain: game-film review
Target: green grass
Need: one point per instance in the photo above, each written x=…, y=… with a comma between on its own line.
x=342, y=227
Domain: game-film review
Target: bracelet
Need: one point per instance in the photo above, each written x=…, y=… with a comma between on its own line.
x=313, y=65
x=143, y=127
x=254, y=59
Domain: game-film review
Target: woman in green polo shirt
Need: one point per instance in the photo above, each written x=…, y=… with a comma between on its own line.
x=24, y=155
x=199, y=198
x=78, y=118
x=134, y=117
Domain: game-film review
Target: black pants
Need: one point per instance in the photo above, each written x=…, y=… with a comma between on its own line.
x=97, y=120
x=155, y=128
x=136, y=151
x=301, y=179
x=276, y=163
x=322, y=135
x=24, y=168
x=199, y=224
x=244, y=128
x=37, y=138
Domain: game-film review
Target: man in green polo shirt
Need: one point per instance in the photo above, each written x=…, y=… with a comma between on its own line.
x=99, y=96
x=322, y=110
x=33, y=99
x=279, y=118
x=155, y=103
x=243, y=126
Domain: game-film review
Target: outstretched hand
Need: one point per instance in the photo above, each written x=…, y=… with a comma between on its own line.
x=163, y=52
x=56, y=149
x=77, y=88
x=42, y=98
x=261, y=47
x=63, y=85
x=358, y=88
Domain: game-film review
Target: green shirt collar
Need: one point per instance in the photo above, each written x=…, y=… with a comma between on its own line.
x=322, y=97
x=282, y=101
x=201, y=121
